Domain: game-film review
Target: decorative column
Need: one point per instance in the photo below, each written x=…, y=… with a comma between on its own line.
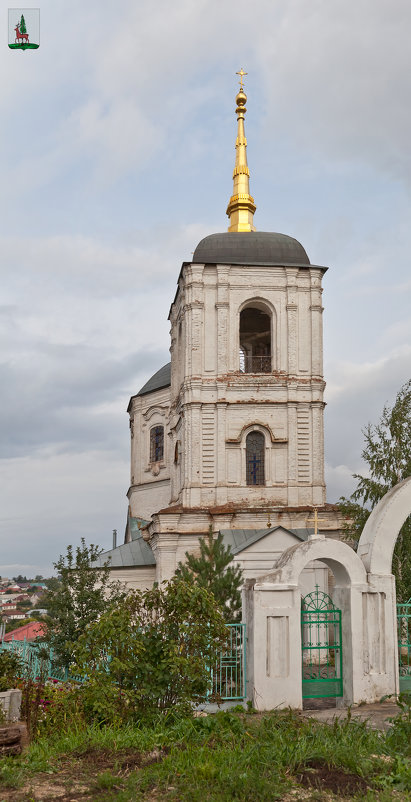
x=292, y=455
x=316, y=323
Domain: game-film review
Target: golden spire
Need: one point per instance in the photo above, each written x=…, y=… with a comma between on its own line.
x=241, y=206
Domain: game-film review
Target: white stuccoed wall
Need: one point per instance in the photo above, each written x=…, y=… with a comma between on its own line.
x=149, y=489
x=214, y=406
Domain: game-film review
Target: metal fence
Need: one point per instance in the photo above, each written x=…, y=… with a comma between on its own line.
x=255, y=364
x=38, y=660
x=228, y=675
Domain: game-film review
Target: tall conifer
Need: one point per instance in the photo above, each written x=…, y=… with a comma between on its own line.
x=212, y=570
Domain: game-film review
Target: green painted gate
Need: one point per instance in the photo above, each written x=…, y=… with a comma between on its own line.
x=321, y=646
x=404, y=645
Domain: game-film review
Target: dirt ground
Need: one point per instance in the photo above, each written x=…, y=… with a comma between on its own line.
x=377, y=716
x=77, y=777
x=76, y=780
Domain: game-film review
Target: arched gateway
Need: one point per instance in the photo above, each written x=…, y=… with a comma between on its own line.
x=273, y=617
x=364, y=592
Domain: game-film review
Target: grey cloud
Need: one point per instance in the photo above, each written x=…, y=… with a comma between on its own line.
x=54, y=401
x=357, y=393
x=341, y=78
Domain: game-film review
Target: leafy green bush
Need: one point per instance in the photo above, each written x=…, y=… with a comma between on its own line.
x=50, y=706
x=11, y=668
x=151, y=653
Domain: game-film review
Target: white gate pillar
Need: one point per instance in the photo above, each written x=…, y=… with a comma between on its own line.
x=273, y=619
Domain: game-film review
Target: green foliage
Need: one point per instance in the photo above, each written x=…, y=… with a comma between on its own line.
x=23, y=28
x=11, y=668
x=399, y=735
x=212, y=570
x=82, y=595
x=222, y=757
x=50, y=706
x=150, y=653
x=52, y=584
x=387, y=452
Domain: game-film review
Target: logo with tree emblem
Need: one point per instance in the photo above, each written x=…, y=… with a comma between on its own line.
x=24, y=28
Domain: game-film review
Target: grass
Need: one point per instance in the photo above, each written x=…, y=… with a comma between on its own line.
x=223, y=757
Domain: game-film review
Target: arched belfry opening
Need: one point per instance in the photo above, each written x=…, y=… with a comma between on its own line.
x=255, y=339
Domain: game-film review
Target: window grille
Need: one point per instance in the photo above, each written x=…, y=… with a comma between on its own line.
x=255, y=445
x=157, y=444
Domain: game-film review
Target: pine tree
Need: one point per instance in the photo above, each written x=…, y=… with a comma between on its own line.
x=212, y=570
x=23, y=28
x=387, y=452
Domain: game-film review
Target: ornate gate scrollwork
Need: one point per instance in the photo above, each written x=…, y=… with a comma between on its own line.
x=321, y=646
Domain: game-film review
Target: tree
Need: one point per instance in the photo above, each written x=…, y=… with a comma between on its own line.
x=52, y=584
x=387, y=452
x=151, y=653
x=23, y=28
x=83, y=594
x=212, y=570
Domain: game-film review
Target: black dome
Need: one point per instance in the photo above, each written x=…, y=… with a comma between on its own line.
x=250, y=248
x=159, y=380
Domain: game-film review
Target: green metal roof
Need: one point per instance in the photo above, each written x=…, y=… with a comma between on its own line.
x=128, y=555
x=138, y=553
x=240, y=539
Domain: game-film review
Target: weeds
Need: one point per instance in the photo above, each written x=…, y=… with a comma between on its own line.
x=223, y=757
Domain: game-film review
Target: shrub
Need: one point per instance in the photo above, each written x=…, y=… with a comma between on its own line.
x=11, y=668
x=151, y=653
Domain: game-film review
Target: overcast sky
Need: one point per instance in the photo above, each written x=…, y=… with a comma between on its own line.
x=117, y=150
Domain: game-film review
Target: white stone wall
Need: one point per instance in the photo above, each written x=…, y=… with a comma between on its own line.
x=149, y=482
x=134, y=578
x=214, y=405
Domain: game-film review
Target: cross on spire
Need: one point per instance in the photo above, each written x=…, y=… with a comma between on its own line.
x=316, y=521
x=241, y=73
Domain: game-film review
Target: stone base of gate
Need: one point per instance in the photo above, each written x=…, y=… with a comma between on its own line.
x=272, y=613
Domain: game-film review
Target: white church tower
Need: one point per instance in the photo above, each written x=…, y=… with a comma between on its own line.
x=231, y=433
x=246, y=408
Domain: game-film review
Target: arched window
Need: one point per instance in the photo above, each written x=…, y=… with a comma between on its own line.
x=156, y=443
x=254, y=455
x=255, y=340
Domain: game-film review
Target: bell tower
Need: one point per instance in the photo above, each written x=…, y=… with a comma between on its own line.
x=230, y=434
x=246, y=406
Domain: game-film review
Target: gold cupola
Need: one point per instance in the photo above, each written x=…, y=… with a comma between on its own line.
x=241, y=206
